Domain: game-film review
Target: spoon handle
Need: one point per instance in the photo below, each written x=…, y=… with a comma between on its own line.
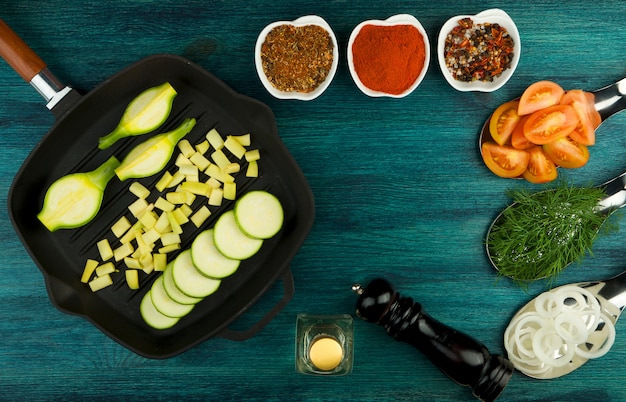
x=611, y=99
x=615, y=195
x=614, y=290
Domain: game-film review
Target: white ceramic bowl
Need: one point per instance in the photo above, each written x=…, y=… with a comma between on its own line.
x=494, y=15
x=399, y=19
x=302, y=21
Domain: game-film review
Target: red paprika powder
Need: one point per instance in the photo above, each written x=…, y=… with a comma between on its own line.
x=388, y=58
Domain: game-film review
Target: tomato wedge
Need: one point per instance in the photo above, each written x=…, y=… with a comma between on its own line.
x=539, y=95
x=503, y=160
x=551, y=123
x=540, y=168
x=518, y=139
x=583, y=105
x=567, y=153
x=596, y=119
x=503, y=121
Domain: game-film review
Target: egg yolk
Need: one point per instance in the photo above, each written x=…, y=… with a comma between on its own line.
x=325, y=353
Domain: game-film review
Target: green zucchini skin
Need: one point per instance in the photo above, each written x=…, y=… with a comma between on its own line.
x=75, y=199
x=145, y=113
x=208, y=259
x=152, y=155
x=259, y=214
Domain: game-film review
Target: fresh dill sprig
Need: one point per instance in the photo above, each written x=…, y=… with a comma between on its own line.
x=545, y=231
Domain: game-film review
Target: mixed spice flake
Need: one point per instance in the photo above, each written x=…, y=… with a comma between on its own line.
x=478, y=52
x=297, y=59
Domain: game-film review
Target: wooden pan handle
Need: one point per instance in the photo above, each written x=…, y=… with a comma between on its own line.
x=17, y=53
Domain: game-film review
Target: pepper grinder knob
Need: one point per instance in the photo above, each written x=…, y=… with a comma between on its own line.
x=459, y=356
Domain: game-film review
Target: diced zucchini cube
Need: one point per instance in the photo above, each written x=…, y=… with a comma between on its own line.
x=252, y=155
x=100, y=282
x=122, y=251
x=185, y=148
x=220, y=158
x=159, y=261
x=215, y=139
x=253, y=169
x=230, y=191
x=216, y=197
x=203, y=147
x=90, y=267
x=243, y=139
x=200, y=216
x=105, y=269
x=132, y=278
x=164, y=181
x=234, y=147
x=164, y=205
x=120, y=227
x=104, y=248
x=200, y=161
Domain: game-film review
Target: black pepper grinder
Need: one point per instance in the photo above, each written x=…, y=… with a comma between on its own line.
x=461, y=357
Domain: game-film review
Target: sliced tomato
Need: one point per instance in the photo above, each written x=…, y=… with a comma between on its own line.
x=584, y=132
x=540, y=168
x=503, y=121
x=518, y=139
x=503, y=160
x=596, y=119
x=539, y=95
x=551, y=123
x=567, y=153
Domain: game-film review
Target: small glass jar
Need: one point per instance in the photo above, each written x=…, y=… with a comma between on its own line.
x=324, y=344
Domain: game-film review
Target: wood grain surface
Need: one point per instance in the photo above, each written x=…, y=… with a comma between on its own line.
x=400, y=192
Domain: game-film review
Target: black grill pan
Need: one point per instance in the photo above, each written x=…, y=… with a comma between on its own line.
x=71, y=145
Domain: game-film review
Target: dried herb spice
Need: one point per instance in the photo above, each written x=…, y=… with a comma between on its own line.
x=478, y=52
x=297, y=59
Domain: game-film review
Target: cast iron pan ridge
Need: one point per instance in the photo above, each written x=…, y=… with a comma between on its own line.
x=71, y=145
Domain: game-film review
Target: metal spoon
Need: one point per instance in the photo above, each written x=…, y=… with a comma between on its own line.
x=611, y=294
x=614, y=200
x=608, y=101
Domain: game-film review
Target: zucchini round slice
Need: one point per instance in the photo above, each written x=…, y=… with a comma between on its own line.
x=152, y=316
x=259, y=214
x=165, y=304
x=172, y=290
x=208, y=259
x=189, y=280
x=231, y=241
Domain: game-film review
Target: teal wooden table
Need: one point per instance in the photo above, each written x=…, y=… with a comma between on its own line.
x=399, y=186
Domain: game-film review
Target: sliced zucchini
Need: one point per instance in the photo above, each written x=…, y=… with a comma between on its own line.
x=152, y=316
x=173, y=291
x=259, y=214
x=146, y=112
x=189, y=280
x=165, y=304
x=151, y=156
x=75, y=199
x=207, y=258
x=231, y=241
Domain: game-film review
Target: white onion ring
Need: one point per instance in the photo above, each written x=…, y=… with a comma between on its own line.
x=602, y=349
x=547, y=342
x=571, y=327
x=529, y=365
x=585, y=300
x=558, y=331
x=524, y=341
x=547, y=306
